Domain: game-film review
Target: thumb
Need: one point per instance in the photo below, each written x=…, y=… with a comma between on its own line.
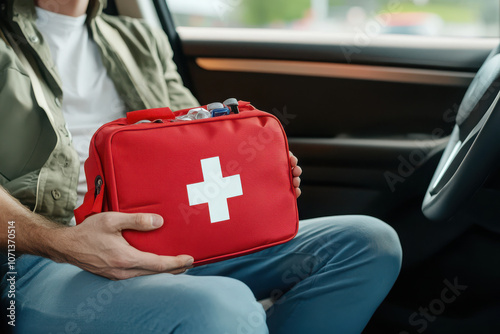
x=138, y=221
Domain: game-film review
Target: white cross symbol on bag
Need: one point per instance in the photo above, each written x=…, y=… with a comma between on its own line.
x=214, y=190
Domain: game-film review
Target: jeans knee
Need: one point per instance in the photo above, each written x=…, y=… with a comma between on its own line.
x=354, y=240
x=381, y=244
x=228, y=306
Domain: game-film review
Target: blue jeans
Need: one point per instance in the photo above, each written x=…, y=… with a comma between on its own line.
x=329, y=279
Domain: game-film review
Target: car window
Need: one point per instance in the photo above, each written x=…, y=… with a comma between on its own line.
x=454, y=18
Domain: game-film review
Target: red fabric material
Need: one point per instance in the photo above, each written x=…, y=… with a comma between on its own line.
x=147, y=168
x=149, y=115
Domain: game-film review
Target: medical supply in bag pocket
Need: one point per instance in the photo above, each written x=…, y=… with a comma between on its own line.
x=221, y=181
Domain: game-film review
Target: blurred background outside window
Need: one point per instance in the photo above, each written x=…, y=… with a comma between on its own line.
x=453, y=18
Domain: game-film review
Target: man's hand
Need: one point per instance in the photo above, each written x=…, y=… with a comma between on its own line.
x=97, y=245
x=296, y=172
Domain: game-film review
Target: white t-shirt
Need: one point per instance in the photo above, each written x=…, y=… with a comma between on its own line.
x=90, y=98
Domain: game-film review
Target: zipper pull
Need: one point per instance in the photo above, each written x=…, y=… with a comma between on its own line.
x=98, y=185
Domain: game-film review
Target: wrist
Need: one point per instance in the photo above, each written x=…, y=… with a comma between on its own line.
x=44, y=238
x=34, y=234
x=57, y=238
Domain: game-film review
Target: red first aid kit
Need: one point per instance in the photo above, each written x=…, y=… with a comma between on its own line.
x=223, y=185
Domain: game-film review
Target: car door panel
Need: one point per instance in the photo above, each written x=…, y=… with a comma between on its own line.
x=360, y=125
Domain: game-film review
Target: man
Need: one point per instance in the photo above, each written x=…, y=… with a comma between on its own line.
x=330, y=278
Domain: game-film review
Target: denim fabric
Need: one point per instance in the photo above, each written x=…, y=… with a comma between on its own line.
x=329, y=279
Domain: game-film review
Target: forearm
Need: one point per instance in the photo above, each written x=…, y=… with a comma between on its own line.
x=34, y=234
x=96, y=245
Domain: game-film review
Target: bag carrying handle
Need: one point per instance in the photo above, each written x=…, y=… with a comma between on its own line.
x=166, y=113
x=149, y=115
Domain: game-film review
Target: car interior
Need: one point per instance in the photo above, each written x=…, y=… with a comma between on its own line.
x=381, y=127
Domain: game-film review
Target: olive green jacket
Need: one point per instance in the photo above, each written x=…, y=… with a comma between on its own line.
x=38, y=164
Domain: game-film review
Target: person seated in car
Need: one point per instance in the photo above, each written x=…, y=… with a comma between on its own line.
x=87, y=279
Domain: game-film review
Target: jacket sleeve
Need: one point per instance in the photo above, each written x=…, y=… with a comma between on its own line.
x=180, y=96
x=22, y=122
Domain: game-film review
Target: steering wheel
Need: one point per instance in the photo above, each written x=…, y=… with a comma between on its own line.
x=473, y=151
